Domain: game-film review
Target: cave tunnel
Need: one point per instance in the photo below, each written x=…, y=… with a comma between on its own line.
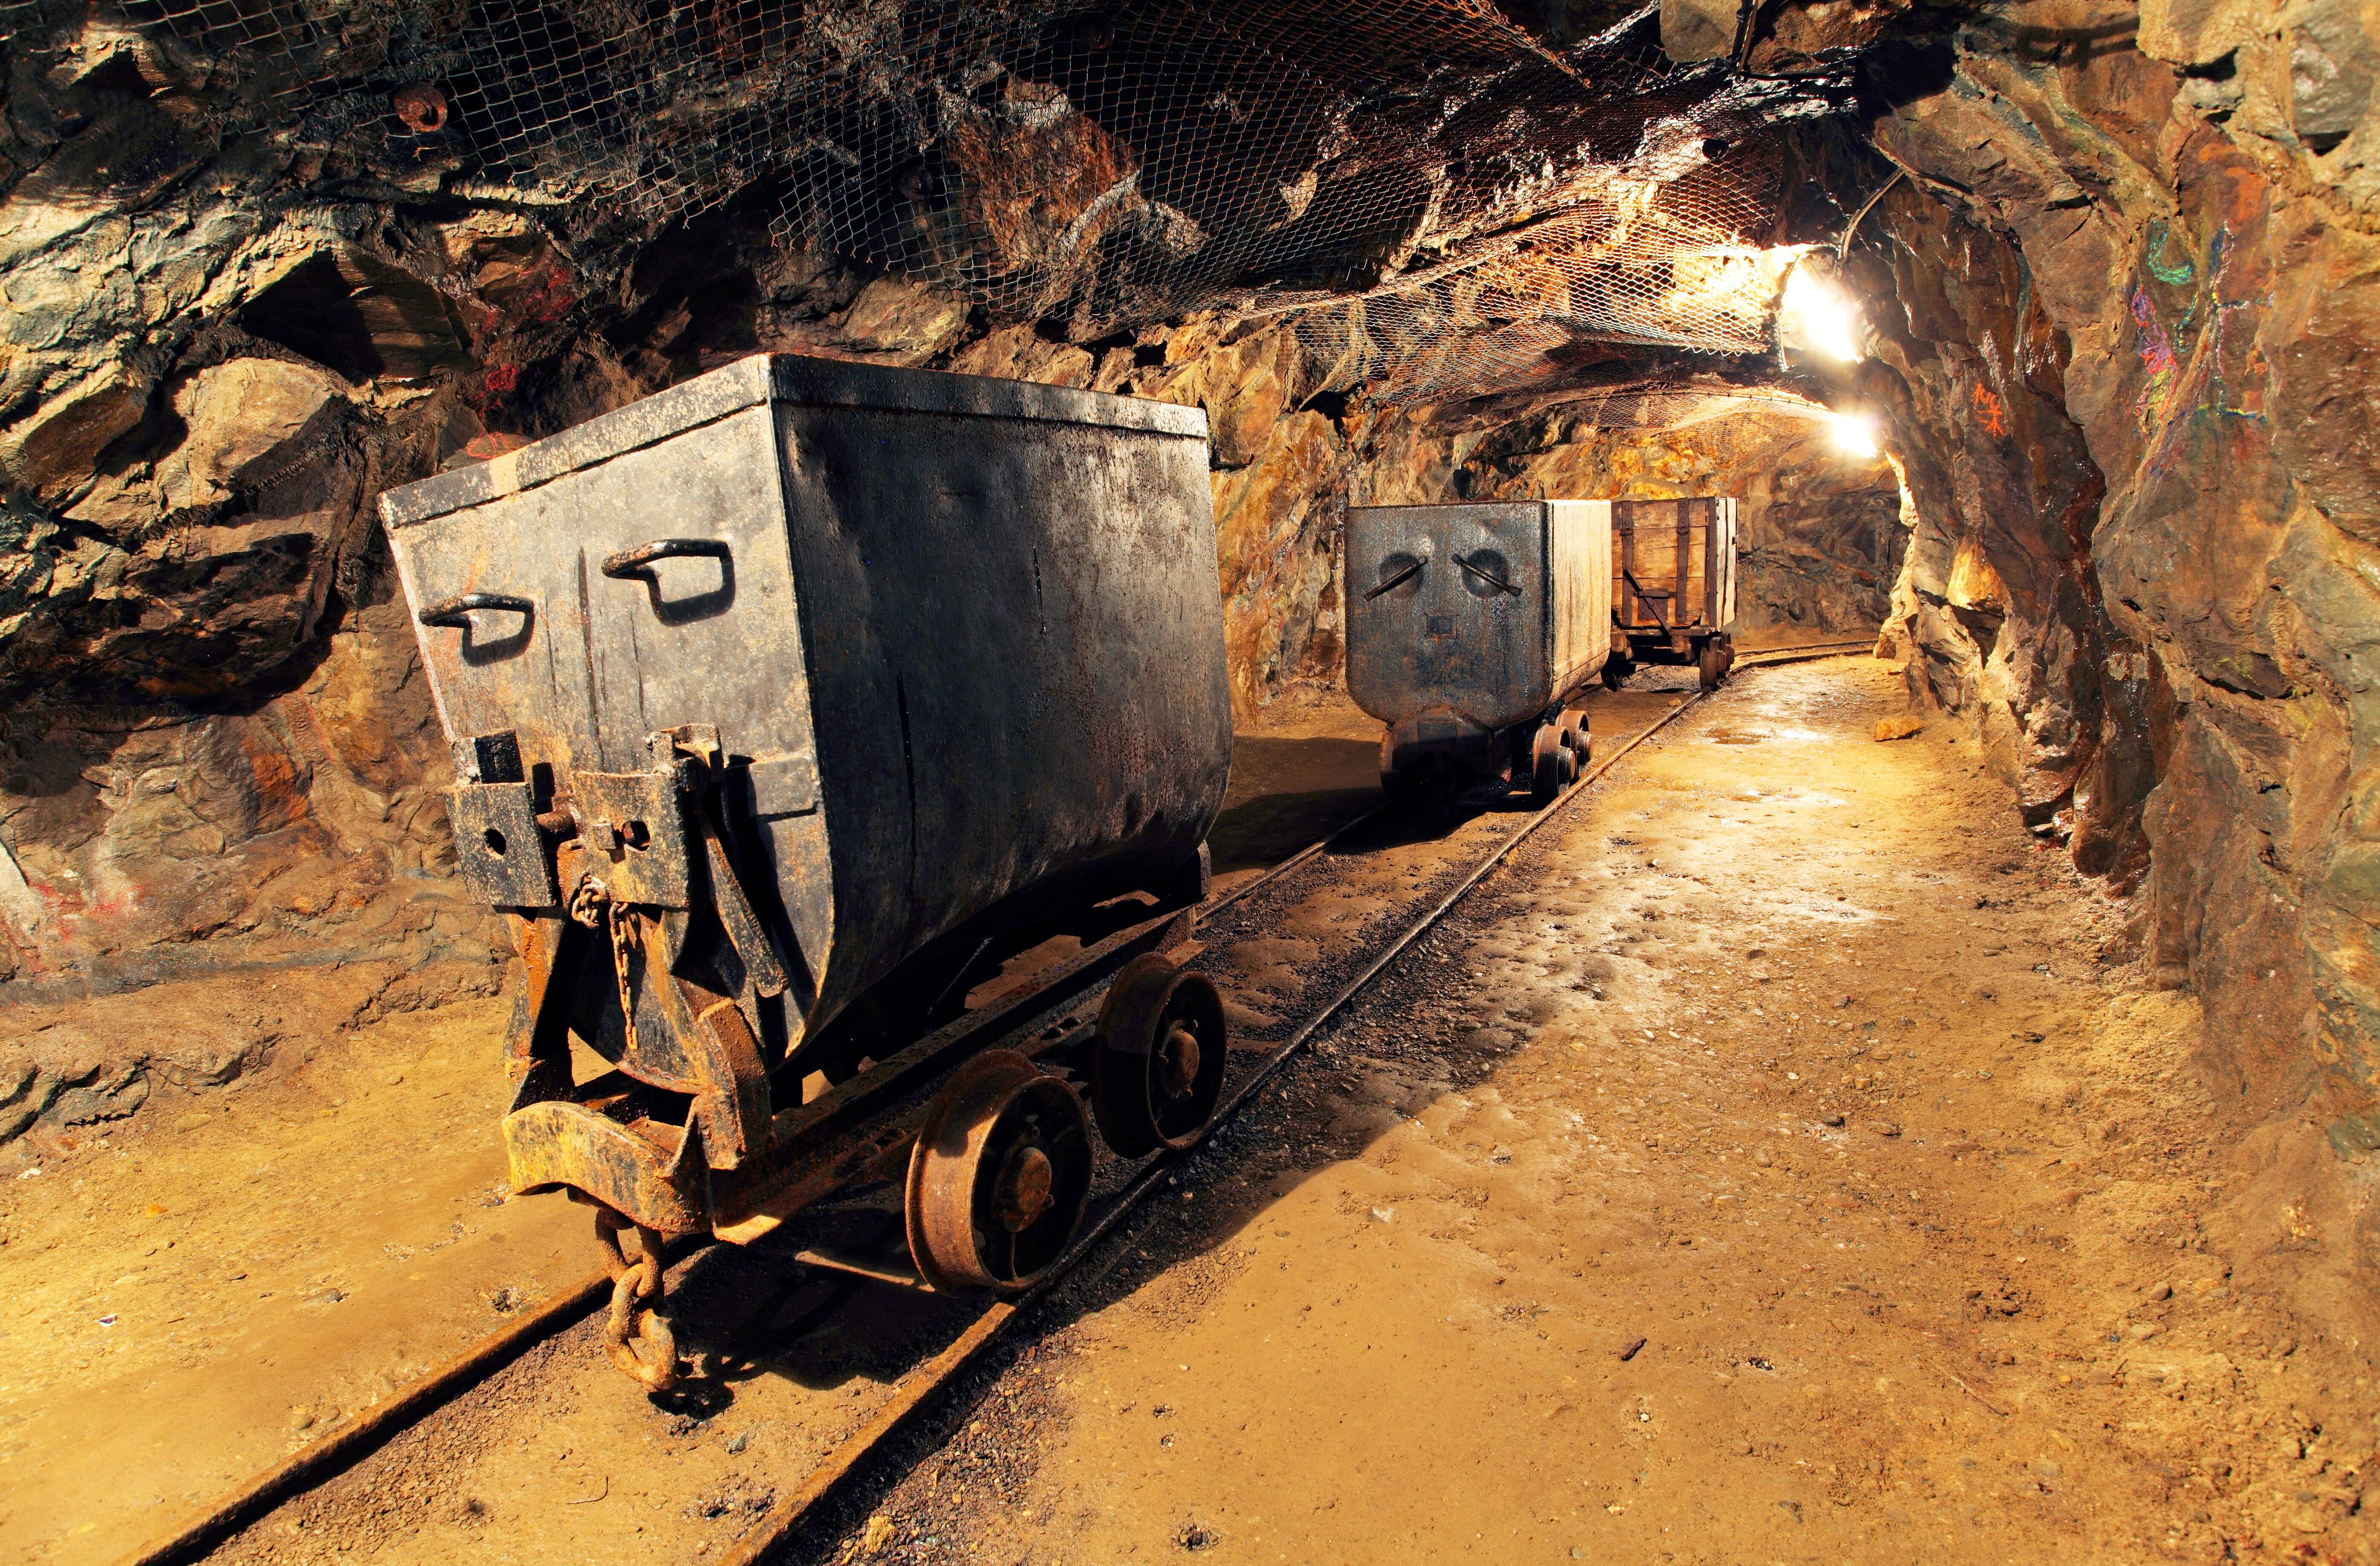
x=1360, y=781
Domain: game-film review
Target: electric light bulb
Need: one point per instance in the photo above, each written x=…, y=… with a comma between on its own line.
x=1855, y=433
x=1816, y=317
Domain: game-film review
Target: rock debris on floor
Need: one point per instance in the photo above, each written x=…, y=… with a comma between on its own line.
x=194, y=1298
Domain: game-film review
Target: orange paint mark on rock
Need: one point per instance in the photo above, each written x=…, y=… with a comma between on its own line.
x=1990, y=413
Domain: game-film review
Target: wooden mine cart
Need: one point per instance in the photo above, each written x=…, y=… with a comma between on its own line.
x=785, y=705
x=1468, y=628
x=1673, y=586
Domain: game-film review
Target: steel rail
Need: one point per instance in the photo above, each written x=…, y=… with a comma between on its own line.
x=1760, y=660
x=327, y=1459
x=783, y=1524
x=1210, y=910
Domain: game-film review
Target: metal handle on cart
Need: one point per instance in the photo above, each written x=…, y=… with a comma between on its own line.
x=638, y=561
x=1398, y=580
x=455, y=613
x=1487, y=576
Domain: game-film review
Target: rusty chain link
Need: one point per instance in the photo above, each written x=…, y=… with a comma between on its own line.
x=591, y=904
x=636, y=1295
x=588, y=898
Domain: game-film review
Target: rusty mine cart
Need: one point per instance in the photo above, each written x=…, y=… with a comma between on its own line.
x=785, y=706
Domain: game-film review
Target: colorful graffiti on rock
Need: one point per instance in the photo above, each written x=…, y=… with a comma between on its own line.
x=2176, y=386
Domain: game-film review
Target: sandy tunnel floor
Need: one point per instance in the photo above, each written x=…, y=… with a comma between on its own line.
x=2029, y=1296
x=1773, y=1166
x=229, y=1278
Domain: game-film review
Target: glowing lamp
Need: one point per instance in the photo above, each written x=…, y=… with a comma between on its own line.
x=1816, y=317
x=1855, y=433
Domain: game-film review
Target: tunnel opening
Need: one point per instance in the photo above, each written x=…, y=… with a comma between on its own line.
x=2025, y=350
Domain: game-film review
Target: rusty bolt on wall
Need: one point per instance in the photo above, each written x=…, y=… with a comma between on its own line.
x=421, y=107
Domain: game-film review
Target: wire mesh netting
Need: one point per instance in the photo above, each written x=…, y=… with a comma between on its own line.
x=1443, y=201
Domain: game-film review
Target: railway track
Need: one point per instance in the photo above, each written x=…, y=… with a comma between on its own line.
x=787, y=1522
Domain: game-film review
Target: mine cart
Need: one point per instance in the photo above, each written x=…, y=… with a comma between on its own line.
x=1469, y=629
x=1673, y=586
x=786, y=705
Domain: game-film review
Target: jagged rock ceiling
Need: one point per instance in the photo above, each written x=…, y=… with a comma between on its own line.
x=1451, y=201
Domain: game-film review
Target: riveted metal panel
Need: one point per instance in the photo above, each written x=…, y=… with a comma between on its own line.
x=639, y=846
x=497, y=850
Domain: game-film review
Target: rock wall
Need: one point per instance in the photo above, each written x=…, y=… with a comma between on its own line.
x=153, y=841
x=2128, y=369
x=225, y=754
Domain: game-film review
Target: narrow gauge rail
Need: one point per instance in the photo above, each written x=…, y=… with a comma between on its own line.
x=290, y=1481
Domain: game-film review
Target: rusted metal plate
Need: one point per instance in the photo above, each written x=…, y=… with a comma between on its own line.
x=498, y=851
x=635, y=825
x=782, y=787
x=553, y=1145
x=1485, y=614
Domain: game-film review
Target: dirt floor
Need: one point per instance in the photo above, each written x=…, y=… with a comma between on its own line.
x=1779, y=1164
x=232, y=1274
x=1778, y=1161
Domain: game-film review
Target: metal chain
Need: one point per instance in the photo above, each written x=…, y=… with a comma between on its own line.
x=591, y=904
x=588, y=898
x=623, y=946
x=636, y=1305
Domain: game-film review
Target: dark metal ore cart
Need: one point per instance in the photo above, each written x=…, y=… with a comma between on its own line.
x=1674, y=586
x=1468, y=628
x=785, y=706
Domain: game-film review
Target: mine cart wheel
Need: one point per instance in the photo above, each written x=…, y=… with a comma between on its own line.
x=998, y=1177
x=1615, y=671
x=1715, y=659
x=1551, y=765
x=1573, y=733
x=1158, y=1070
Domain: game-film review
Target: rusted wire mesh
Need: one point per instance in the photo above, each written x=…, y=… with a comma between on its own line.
x=1455, y=205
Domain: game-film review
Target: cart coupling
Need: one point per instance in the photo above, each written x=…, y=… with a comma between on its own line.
x=637, y=1317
